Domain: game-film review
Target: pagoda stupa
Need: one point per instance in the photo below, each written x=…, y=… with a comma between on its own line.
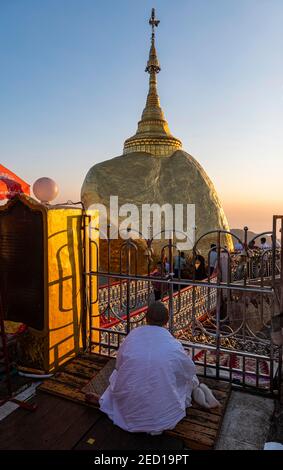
x=155, y=169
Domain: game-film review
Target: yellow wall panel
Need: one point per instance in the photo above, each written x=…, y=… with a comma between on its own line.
x=65, y=284
x=50, y=298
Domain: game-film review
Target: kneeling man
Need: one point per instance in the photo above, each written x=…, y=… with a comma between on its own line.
x=154, y=379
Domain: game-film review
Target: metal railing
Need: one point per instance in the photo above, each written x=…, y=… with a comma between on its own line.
x=224, y=321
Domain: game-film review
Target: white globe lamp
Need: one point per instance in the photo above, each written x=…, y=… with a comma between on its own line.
x=45, y=189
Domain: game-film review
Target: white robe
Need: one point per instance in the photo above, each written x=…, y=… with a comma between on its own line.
x=152, y=384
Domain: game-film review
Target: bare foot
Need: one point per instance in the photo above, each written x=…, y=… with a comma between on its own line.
x=92, y=398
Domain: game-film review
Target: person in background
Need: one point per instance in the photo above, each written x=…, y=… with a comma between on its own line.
x=179, y=264
x=166, y=265
x=200, y=270
x=252, y=245
x=239, y=246
x=224, y=265
x=158, y=287
x=263, y=244
x=223, y=268
x=253, y=260
x=212, y=258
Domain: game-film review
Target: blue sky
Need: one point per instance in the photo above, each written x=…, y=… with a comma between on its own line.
x=72, y=88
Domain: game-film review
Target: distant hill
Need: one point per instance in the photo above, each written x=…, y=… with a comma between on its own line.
x=240, y=233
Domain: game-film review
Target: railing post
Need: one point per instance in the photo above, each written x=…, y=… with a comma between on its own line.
x=246, y=229
x=85, y=279
x=281, y=262
x=128, y=327
x=281, y=302
x=171, y=306
x=108, y=270
x=218, y=306
x=90, y=291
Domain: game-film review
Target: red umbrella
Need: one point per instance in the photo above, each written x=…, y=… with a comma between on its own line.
x=11, y=184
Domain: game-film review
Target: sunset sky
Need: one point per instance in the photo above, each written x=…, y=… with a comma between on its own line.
x=72, y=88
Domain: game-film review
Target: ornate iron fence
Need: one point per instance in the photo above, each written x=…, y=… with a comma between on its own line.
x=225, y=321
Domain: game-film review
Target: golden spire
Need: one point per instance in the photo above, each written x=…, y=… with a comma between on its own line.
x=153, y=134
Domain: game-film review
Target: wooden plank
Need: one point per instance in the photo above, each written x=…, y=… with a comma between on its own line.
x=56, y=429
x=97, y=358
x=205, y=422
x=195, y=441
x=69, y=439
x=86, y=363
x=213, y=411
x=106, y=436
x=79, y=370
x=224, y=404
x=56, y=424
x=64, y=391
x=187, y=428
x=200, y=428
x=202, y=415
x=70, y=379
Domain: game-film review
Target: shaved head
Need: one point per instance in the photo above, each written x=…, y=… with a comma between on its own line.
x=157, y=314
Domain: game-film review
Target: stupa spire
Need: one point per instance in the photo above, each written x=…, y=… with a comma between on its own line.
x=152, y=63
x=152, y=108
x=153, y=134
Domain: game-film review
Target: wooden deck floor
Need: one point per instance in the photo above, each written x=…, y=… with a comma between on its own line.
x=60, y=424
x=198, y=430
